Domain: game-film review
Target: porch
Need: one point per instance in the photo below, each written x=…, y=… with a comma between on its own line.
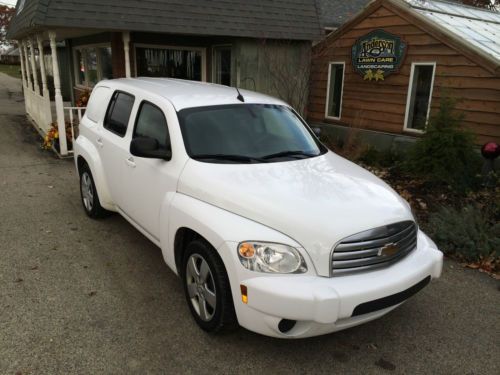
x=41, y=110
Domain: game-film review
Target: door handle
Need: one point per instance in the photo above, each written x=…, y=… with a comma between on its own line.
x=99, y=142
x=130, y=162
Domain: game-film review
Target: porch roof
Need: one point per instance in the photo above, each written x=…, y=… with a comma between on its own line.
x=284, y=19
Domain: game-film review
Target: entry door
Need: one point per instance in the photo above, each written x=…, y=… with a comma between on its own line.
x=149, y=183
x=222, y=65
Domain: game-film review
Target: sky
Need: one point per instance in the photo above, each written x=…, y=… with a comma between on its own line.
x=8, y=2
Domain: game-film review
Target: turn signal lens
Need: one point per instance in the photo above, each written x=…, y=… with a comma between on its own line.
x=247, y=250
x=244, y=293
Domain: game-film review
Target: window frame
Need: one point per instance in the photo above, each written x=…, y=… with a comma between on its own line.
x=141, y=104
x=203, y=51
x=115, y=93
x=409, y=95
x=327, y=116
x=76, y=66
x=214, y=48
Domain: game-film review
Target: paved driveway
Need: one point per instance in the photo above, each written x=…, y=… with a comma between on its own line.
x=94, y=297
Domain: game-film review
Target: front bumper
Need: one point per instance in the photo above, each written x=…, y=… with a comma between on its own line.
x=322, y=305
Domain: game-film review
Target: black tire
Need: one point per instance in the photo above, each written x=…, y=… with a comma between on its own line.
x=222, y=317
x=87, y=186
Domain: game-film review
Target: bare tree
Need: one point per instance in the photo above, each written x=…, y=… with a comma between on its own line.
x=488, y=4
x=288, y=67
x=6, y=14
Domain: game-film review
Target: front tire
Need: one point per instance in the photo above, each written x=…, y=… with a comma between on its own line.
x=207, y=288
x=89, y=196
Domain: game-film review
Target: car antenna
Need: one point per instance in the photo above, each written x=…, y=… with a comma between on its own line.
x=240, y=97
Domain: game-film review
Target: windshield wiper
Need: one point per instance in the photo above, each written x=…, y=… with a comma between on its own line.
x=288, y=153
x=238, y=158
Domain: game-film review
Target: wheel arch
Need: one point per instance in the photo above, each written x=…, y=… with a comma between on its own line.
x=86, y=153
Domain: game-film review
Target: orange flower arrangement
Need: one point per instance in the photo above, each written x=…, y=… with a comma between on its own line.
x=83, y=99
x=53, y=135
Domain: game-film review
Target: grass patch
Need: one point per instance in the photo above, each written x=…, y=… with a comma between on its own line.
x=11, y=70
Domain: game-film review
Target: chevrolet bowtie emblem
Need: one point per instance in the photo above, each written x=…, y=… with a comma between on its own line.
x=388, y=250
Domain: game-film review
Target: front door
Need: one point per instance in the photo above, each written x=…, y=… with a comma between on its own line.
x=149, y=184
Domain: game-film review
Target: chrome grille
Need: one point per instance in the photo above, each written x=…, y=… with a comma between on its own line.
x=374, y=248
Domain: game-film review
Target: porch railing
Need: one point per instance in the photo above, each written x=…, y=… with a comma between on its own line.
x=38, y=107
x=73, y=115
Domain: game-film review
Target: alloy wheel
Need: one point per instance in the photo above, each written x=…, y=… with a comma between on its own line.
x=201, y=287
x=87, y=191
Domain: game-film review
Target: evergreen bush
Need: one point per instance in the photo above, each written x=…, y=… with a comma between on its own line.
x=471, y=232
x=446, y=153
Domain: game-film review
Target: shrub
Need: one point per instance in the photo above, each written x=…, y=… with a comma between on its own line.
x=377, y=158
x=471, y=232
x=446, y=153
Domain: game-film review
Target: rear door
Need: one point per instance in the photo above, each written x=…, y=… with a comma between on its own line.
x=112, y=143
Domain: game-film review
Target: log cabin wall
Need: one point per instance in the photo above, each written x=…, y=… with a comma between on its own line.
x=381, y=105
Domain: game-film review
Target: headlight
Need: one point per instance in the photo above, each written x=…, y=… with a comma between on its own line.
x=271, y=258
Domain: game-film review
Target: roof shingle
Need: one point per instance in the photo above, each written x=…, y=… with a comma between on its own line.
x=275, y=19
x=333, y=13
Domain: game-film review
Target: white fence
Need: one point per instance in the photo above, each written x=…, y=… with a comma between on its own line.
x=73, y=117
x=38, y=107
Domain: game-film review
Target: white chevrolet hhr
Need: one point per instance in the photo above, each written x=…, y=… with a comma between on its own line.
x=266, y=227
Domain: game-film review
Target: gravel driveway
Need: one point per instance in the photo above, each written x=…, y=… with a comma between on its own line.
x=94, y=297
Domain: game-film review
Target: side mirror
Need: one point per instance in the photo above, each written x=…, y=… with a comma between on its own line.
x=317, y=132
x=146, y=147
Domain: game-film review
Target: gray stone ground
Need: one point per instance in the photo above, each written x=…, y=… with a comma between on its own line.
x=94, y=297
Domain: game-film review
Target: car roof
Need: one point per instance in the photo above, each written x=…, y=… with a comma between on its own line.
x=189, y=94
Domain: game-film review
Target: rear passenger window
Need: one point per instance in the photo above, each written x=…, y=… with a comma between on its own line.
x=151, y=123
x=118, y=113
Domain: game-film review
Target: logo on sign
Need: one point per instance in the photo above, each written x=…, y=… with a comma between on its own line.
x=378, y=54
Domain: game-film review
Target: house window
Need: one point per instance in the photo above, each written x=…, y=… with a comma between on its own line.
x=93, y=63
x=171, y=62
x=222, y=65
x=335, y=90
x=419, y=96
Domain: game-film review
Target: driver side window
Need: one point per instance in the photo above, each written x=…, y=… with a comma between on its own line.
x=151, y=123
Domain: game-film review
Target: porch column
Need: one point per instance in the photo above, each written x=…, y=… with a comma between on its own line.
x=43, y=73
x=27, y=65
x=21, y=59
x=126, y=49
x=61, y=126
x=36, y=87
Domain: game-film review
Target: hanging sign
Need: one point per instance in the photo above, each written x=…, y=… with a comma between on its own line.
x=378, y=54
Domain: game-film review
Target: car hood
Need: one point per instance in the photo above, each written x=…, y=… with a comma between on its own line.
x=317, y=201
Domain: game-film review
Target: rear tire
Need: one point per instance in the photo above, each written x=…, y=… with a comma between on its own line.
x=89, y=196
x=207, y=288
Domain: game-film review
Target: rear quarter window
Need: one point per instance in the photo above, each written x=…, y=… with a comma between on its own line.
x=96, y=107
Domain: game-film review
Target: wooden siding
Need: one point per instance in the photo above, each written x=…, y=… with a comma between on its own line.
x=381, y=105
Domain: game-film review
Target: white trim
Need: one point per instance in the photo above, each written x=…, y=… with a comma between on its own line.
x=85, y=85
x=126, y=51
x=61, y=126
x=328, y=89
x=203, y=51
x=408, y=96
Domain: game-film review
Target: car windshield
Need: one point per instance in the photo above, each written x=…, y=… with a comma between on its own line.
x=246, y=133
